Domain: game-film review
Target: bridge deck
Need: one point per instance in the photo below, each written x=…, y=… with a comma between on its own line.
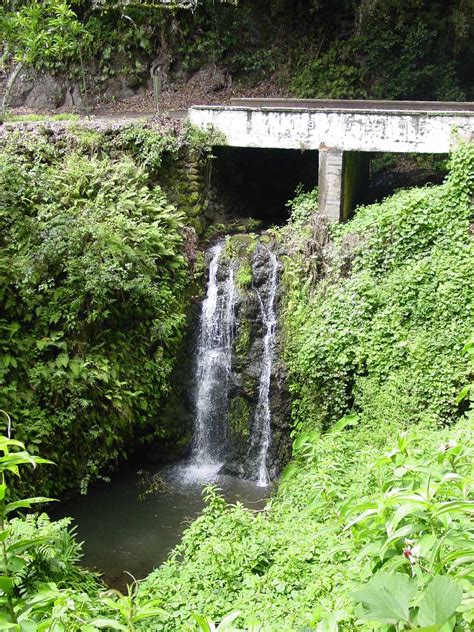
x=359, y=105
x=370, y=126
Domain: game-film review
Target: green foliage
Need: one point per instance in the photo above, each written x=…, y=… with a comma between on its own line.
x=386, y=338
x=421, y=523
x=33, y=118
x=387, y=597
x=243, y=276
x=405, y=52
x=92, y=286
x=299, y=562
x=334, y=74
x=42, y=33
x=302, y=206
x=146, y=146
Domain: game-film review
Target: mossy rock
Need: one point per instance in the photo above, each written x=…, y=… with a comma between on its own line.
x=194, y=211
x=240, y=418
x=199, y=224
x=242, y=342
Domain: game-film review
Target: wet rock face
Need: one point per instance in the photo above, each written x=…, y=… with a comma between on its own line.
x=237, y=398
x=247, y=358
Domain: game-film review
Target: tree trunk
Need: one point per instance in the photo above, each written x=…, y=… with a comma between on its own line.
x=9, y=89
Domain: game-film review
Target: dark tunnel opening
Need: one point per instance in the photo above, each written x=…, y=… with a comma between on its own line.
x=390, y=172
x=258, y=183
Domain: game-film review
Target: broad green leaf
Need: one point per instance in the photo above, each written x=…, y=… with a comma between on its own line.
x=203, y=623
x=363, y=516
x=347, y=420
x=109, y=623
x=386, y=598
x=463, y=393
x=26, y=503
x=23, y=545
x=147, y=612
x=4, y=535
x=6, y=584
x=6, y=625
x=403, y=532
x=227, y=620
x=455, y=506
x=289, y=471
x=440, y=601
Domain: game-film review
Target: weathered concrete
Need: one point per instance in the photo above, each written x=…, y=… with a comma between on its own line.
x=330, y=182
x=342, y=134
x=433, y=132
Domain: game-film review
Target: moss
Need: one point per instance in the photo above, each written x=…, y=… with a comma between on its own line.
x=240, y=247
x=243, y=277
x=242, y=343
x=240, y=417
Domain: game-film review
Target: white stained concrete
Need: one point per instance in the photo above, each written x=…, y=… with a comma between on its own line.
x=355, y=130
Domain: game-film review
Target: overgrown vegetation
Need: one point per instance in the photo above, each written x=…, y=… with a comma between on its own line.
x=382, y=332
x=371, y=527
x=93, y=291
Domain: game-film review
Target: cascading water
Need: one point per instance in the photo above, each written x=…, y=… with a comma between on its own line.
x=213, y=366
x=222, y=381
x=262, y=423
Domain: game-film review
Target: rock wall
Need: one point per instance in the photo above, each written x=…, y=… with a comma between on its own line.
x=252, y=275
x=251, y=267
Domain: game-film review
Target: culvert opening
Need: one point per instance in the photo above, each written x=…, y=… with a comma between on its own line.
x=258, y=183
x=390, y=172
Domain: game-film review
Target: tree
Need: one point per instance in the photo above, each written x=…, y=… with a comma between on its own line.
x=38, y=34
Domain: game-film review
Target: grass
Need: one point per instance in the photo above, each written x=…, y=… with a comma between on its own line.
x=38, y=118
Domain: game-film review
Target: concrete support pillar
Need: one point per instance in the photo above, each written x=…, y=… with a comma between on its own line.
x=343, y=179
x=330, y=182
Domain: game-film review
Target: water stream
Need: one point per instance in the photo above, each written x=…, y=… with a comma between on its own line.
x=263, y=434
x=213, y=367
x=127, y=531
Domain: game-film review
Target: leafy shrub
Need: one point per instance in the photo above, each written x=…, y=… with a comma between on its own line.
x=420, y=524
x=386, y=338
x=302, y=206
x=92, y=286
x=332, y=75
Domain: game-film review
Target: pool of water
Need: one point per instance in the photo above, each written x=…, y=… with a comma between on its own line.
x=128, y=525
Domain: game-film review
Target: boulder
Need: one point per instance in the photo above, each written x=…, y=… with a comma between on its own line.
x=22, y=88
x=73, y=97
x=211, y=78
x=117, y=88
x=47, y=93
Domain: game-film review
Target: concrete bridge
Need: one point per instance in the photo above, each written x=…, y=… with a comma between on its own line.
x=344, y=132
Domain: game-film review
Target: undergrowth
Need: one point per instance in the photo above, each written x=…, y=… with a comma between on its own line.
x=93, y=283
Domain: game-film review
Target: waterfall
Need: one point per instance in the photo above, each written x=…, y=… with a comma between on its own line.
x=220, y=378
x=262, y=423
x=213, y=364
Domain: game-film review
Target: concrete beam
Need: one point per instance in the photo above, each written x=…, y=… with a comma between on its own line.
x=348, y=130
